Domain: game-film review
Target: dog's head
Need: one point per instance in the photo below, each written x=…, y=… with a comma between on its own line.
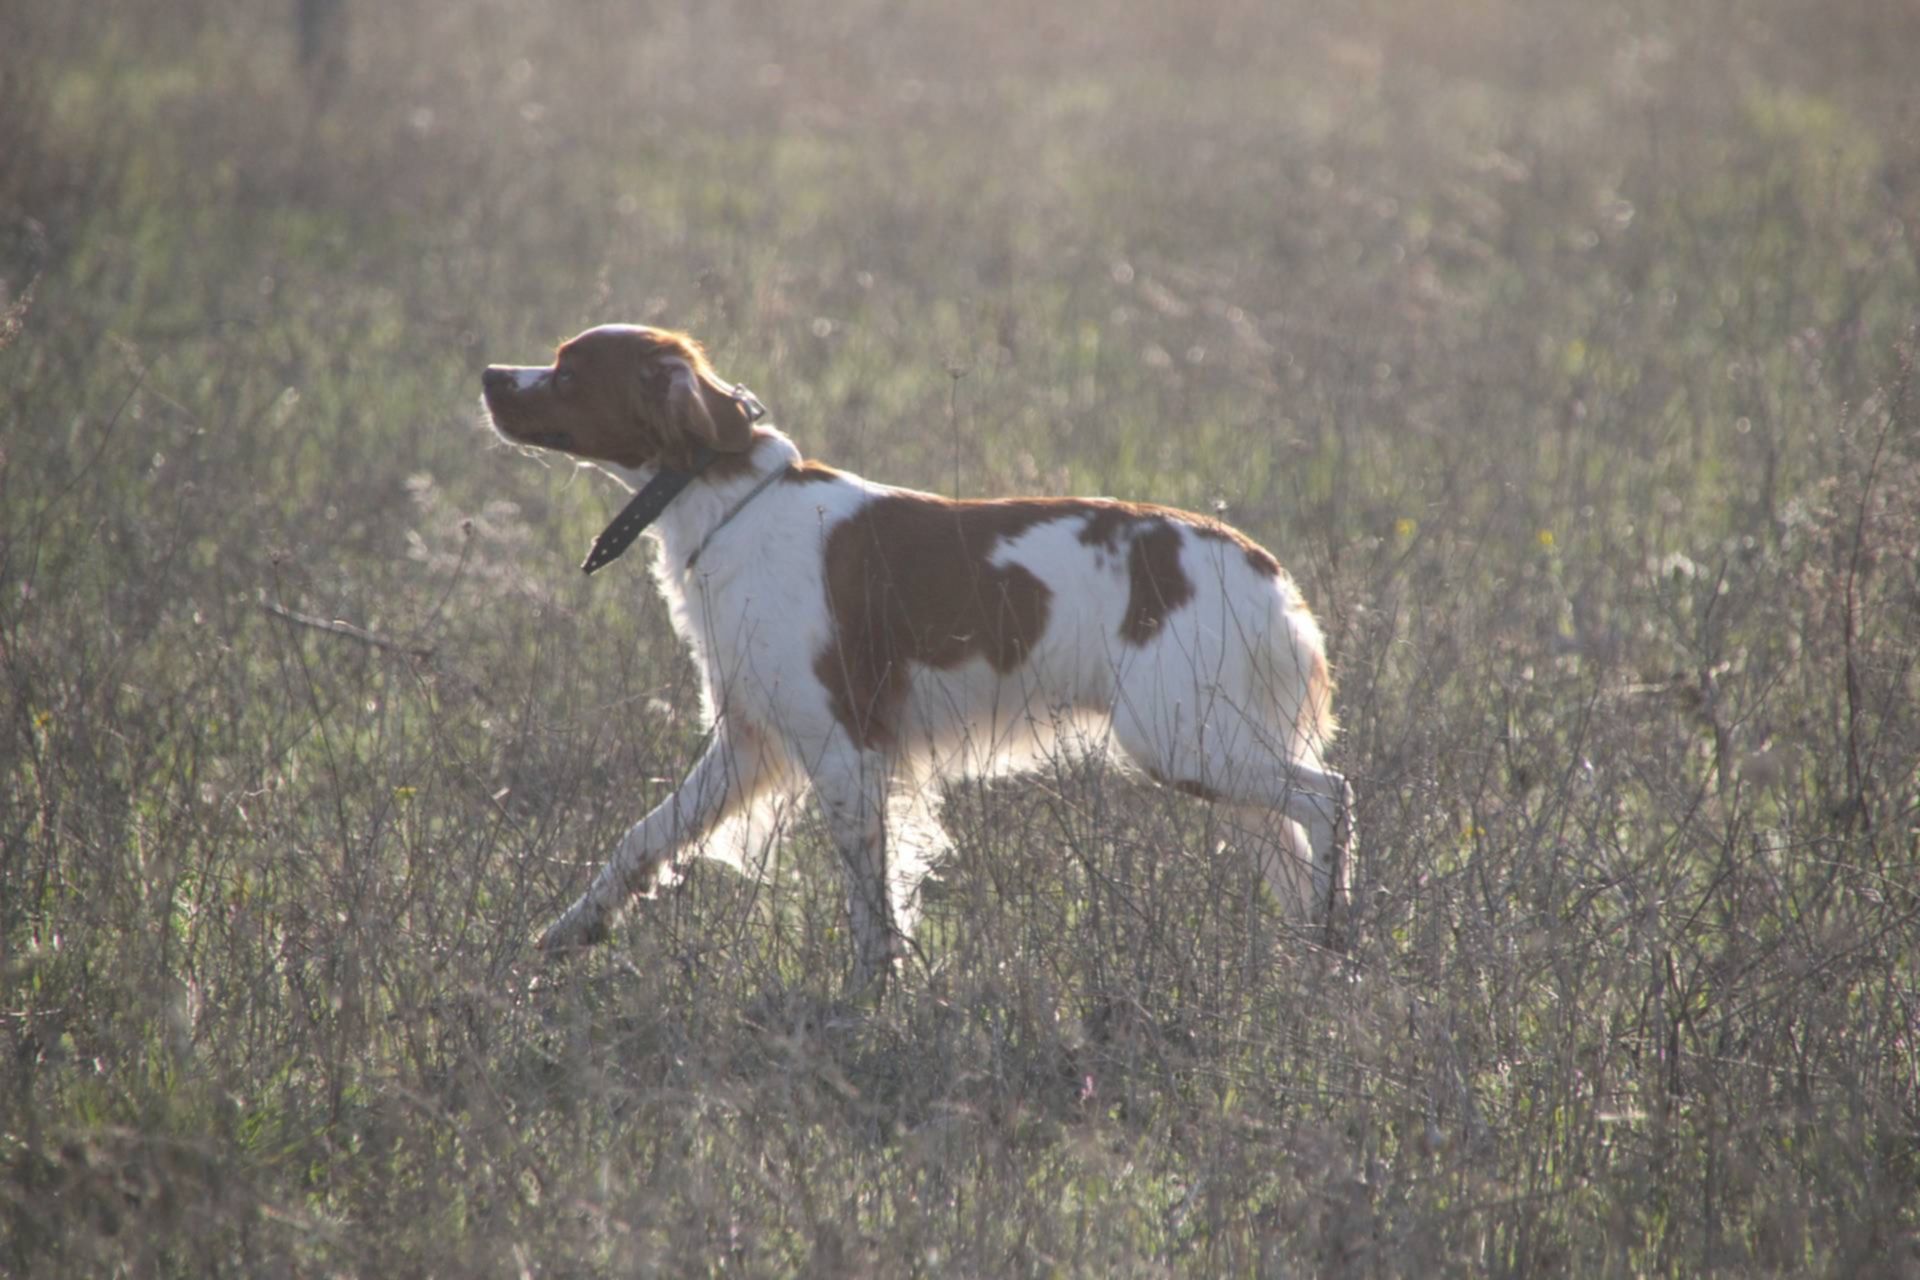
x=640, y=398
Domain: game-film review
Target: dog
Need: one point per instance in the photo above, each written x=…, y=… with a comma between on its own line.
x=864, y=642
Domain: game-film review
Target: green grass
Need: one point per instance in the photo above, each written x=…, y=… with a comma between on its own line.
x=1563, y=353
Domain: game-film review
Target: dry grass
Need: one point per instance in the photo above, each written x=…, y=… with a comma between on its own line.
x=1564, y=352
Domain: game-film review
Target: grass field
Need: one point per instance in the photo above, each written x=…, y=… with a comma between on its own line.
x=1563, y=351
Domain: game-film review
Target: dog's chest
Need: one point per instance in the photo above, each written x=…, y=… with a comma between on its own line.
x=752, y=608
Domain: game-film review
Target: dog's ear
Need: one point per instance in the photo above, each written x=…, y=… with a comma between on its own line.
x=704, y=412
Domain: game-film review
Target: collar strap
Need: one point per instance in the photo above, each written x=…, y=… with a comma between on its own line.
x=738, y=507
x=641, y=511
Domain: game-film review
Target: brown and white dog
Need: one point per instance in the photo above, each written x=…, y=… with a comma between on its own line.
x=866, y=641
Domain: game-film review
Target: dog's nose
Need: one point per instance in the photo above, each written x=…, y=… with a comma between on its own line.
x=497, y=378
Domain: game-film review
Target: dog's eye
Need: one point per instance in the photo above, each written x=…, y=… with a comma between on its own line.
x=562, y=379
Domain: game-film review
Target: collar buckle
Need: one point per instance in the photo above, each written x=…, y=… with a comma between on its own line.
x=749, y=403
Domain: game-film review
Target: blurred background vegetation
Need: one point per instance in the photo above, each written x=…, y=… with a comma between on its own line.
x=1563, y=351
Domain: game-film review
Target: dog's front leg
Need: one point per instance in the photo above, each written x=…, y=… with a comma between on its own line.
x=724, y=779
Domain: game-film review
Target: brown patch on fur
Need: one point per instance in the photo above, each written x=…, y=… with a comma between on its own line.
x=729, y=466
x=1111, y=517
x=609, y=398
x=808, y=471
x=1257, y=556
x=1157, y=585
x=1106, y=520
x=909, y=581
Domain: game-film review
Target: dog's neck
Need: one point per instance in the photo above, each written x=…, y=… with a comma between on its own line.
x=713, y=496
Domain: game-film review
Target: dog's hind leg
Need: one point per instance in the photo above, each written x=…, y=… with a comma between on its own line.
x=1305, y=849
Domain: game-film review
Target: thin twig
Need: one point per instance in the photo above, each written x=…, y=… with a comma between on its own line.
x=335, y=627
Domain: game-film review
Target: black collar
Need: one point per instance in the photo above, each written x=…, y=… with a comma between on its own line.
x=642, y=511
